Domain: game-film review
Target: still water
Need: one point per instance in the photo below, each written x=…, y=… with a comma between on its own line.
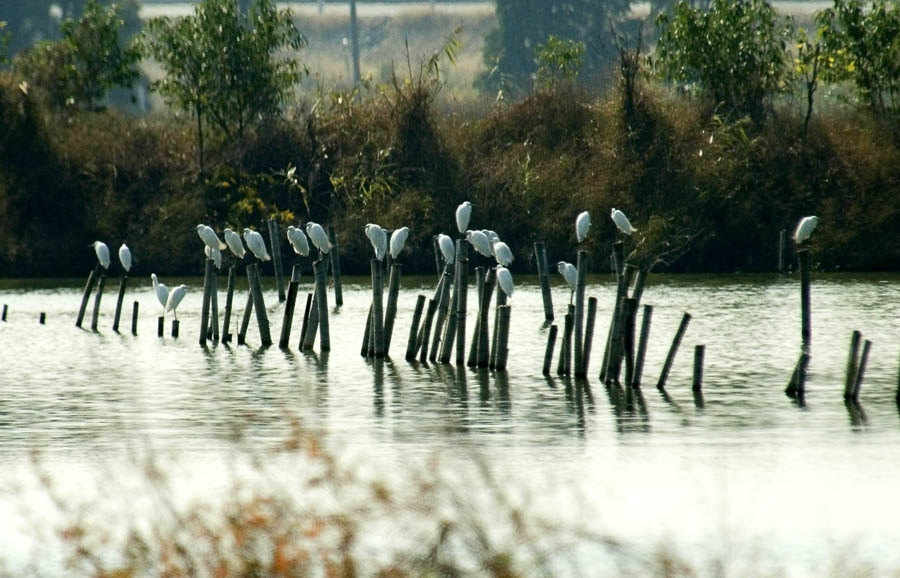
x=744, y=472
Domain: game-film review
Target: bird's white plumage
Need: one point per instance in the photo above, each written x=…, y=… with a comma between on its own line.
x=233, y=240
x=480, y=242
x=569, y=273
x=318, y=236
x=160, y=290
x=505, y=280
x=622, y=221
x=378, y=238
x=297, y=238
x=805, y=228
x=209, y=237
x=463, y=214
x=125, y=257
x=215, y=255
x=582, y=224
x=502, y=253
x=398, y=241
x=256, y=244
x=492, y=236
x=175, y=297
x=448, y=250
x=102, y=252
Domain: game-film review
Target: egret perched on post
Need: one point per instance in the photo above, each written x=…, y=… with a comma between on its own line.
x=570, y=274
x=102, y=252
x=492, y=236
x=805, y=228
x=582, y=224
x=447, y=249
x=505, y=280
x=480, y=242
x=318, y=236
x=378, y=238
x=297, y=239
x=398, y=241
x=502, y=253
x=256, y=244
x=160, y=290
x=209, y=237
x=125, y=257
x=622, y=222
x=215, y=255
x=233, y=240
x=463, y=214
x=175, y=297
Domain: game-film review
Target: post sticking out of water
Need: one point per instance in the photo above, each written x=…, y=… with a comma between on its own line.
x=376, y=345
x=781, y=242
x=437, y=254
x=259, y=304
x=175, y=328
x=42, y=319
x=589, y=335
x=88, y=289
x=548, y=352
x=214, y=306
x=309, y=319
x=426, y=329
x=414, y=329
x=461, y=310
x=637, y=290
x=805, y=330
x=120, y=297
x=609, y=372
x=335, y=268
x=204, y=310
x=95, y=317
x=245, y=320
x=134, y=317
x=5, y=309
x=275, y=242
x=472, y=359
x=629, y=314
x=670, y=358
x=160, y=326
x=580, y=281
x=443, y=309
x=449, y=338
x=322, y=306
x=495, y=339
x=365, y=350
x=861, y=370
x=850, y=377
x=642, y=345
x=566, y=354
x=288, y=320
x=390, y=314
x=484, y=312
x=229, y=299
x=699, y=352
x=540, y=256
x=502, y=346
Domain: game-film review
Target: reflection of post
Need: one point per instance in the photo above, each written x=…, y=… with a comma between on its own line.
x=354, y=42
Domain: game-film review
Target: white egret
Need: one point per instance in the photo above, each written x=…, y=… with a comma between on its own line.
x=175, y=297
x=102, y=252
x=233, y=240
x=160, y=290
x=505, y=280
x=582, y=224
x=448, y=250
x=463, y=214
x=480, y=242
x=569, y=273
x=215, y=255
x=256, y=244
x=502, y=253
x=209, y=237
x=297, y=239
x=125, y=257
x=398, y=241
x=318, y=236
x=492, y=236
x=805, y=228
x=622, y=222
x=378, y=238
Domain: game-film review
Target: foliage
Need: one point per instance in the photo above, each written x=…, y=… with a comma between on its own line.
x=4, y=43
x=808, y=62
x=863, y=46
x=559, y=61
x=734, y=53
x=89, y=60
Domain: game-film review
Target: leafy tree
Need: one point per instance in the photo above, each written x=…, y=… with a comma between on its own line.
x=224, y=66
x=88, y=61
x=4, y=43
x=559, y=61
x=863, y=46
x=734, y=53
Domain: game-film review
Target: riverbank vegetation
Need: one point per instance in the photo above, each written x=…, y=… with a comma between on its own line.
x=715, y=164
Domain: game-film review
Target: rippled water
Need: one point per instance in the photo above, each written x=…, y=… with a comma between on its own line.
x=747, y=466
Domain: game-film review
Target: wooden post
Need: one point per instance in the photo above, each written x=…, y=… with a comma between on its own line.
x=443, y=309
x=670, y=358
x=472, y=359
x=160, y=326
x=637, y=290
x=5, y=309
x=204, y=310
x=259, y=304
x=540, y=256
x=288, y=320
x=437, y=254
x=119, y=298
x=642, y=346
x=322, y=306
x=365, y=349
x=390, y=314
x=610, y=357
x=377, y=342
x=438, y=291
x=503, y=339
x=229, y=298
x=589, y=335
x=850, y=376
x=414, y=329
x=175, y=328
x=797, y=385
x=426, y=329
x=134, y=317
x=303, y=324
x=214, y=305
x=245, y=320
x=42, y=318
x=629, y=315
x=484, y=311
x=548, y=352
x=495, y=339
x=335, y=267
x=781, y=239
x=96, y=315
x=697, y=383
x=861, y=370
x=580, y=281
x=311, y=323
x=461, y=311
x=275, y=242
x=566, y=353
x=449, y=336
x=805, y=330
x=88, y=289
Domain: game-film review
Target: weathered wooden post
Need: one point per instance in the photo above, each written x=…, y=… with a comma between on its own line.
x=670, y=358
x=429, y=319
x=426, y=329
x=642, y=346
x=175, y=328
x=610, y=355
x=781, y=243
x=480, y=275
x=160, y=326
x=540, y=256
x=805, y=330
x=119, y=298
x=245, y=320
x=484, y=311
x=214, y=305
x=697, y=383
x=134, y=317
x=310, y=322
x=589, y=335
x=204, y=309
x=5, y=309
x=861, y=370
x=335, y=267
x=629, y=314
x=437, y=254
x=95, y=317
x=414, y=329
x=850, y=376
x=376, y=344
x=88, y=289
x=288, y=320
x=461, y=310
x=275, y=242
x=42, y=318
x=259, y=304
x=503, y=339
x=390, y=314
x=442, y=311
x=229, y=299
x=449, y=337
x=495, y=339
x=322, y=306
x=365, y=350
x=567, y=340
x=548, y=352
x=580, y=281
x=637, y=290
